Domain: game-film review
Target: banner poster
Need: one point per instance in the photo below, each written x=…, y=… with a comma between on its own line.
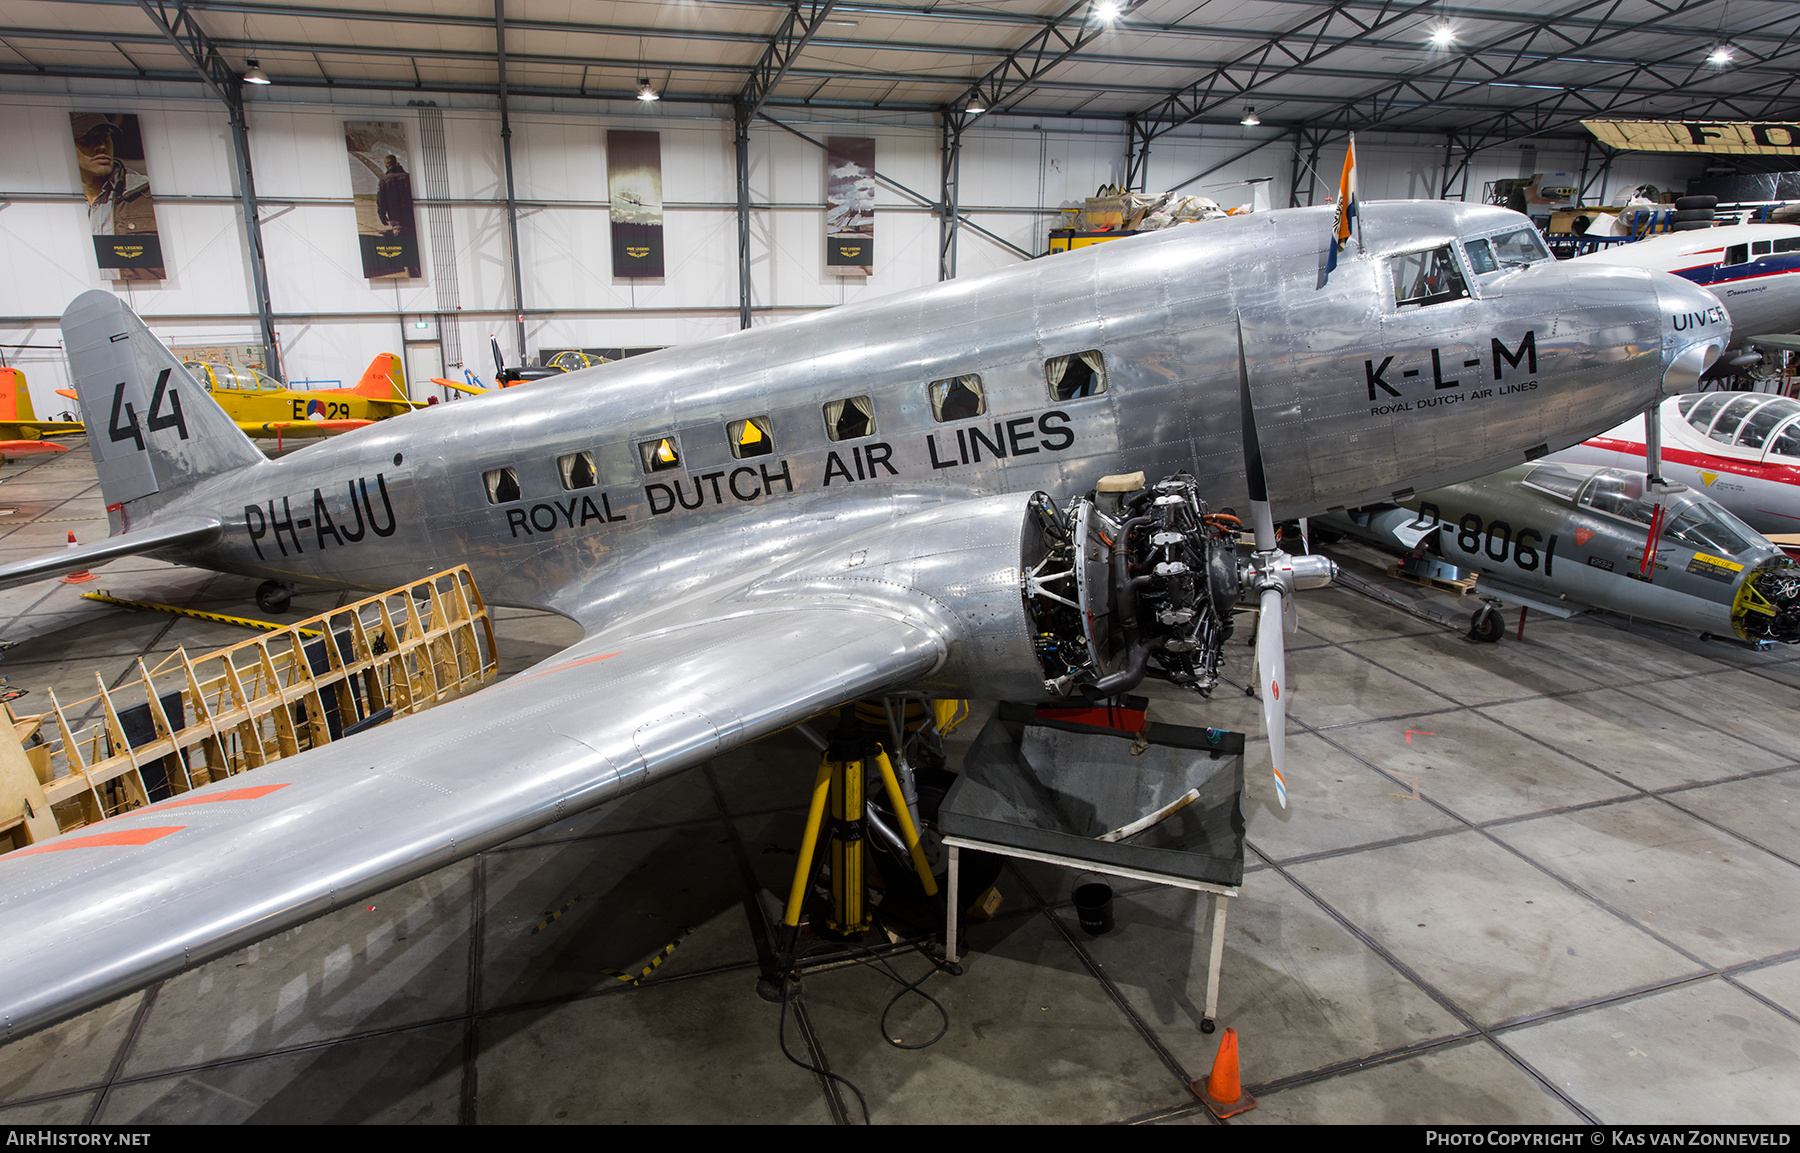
x=1777, y=138
x=109, y=150
x=634, y=186
x=381, y=182
x=850, y=205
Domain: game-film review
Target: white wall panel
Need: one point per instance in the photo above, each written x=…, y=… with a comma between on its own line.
x=1010, y=174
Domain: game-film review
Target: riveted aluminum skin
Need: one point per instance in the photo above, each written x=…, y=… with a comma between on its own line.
x=1160, y=308
x=722, y=598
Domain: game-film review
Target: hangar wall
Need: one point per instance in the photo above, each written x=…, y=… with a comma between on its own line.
x=331, y=321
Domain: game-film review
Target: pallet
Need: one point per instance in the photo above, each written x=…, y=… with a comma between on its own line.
x=1461, y=588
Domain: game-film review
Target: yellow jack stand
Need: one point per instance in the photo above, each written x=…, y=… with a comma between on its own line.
x=841, y=781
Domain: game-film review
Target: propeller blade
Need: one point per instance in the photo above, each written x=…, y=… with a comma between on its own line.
x=1271, y=658
x=499, y=361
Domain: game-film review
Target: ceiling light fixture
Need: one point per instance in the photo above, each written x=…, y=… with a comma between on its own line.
x=1443, y=35
x=1719, y=56
x=253, y=74
x=1107, y=11
x=976, y=103
x=646, y=93
x=1251, y=119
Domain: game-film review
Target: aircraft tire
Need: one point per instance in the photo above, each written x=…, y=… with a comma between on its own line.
x=1689, y=225
x=1486, y=627
x=274, y=597
x=1688, y=203
x=1682, y=214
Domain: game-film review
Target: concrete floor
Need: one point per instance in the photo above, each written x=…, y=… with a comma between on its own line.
x=1590, y=912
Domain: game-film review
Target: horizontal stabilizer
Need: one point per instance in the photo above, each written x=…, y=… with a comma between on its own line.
x=177, y=530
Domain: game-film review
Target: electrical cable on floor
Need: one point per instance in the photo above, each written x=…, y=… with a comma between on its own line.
x=887, y=970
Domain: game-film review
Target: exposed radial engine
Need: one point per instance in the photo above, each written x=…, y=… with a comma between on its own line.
x=1148, y=591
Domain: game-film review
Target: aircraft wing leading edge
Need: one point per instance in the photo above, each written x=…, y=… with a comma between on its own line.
x=173, y=532
x=90, y=916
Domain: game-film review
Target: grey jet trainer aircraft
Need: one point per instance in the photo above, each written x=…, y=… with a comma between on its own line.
x=756, y=528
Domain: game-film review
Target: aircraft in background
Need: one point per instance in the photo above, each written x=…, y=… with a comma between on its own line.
x=1754, y=270
x=21, y=432
x=568, y=360
x=264, y=407
x=1740, y=448
x=756, y=528
x=1561, y=538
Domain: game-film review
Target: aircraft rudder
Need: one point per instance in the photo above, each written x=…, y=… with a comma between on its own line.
x=152, y=428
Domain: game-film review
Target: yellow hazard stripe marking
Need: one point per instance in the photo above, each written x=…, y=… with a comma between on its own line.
x=221, y=618
x=655, y=962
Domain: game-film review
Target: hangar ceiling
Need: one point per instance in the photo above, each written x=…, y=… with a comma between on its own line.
x=1514, y=68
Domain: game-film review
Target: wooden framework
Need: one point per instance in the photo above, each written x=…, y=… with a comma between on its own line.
x=190, y=721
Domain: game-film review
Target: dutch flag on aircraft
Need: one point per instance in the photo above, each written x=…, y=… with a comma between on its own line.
x=1346, y=209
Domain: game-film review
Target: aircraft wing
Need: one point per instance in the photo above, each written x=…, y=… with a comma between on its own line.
x=90, y=916
x=442, y=383
x=15, y=430
x=171, y=533
x=299, y=428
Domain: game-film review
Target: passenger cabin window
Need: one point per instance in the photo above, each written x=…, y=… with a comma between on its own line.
x=1075, y=376
x=660, y=455
x=1760, y=248
x=1791, y=244
x=958, y=398
x=750, y=437
x=1737, y=254
x=502, y=485
x=850, y=418
x=1481, y=257
x=577, y=470
x=1424, y=278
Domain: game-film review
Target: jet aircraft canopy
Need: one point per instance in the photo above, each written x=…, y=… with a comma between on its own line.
x=1746, y=419
x=1694, y=520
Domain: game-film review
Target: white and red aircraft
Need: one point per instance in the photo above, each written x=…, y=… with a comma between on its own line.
x=1740, y=448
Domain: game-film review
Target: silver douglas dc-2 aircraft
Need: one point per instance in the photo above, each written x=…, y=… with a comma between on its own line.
x=756, y=528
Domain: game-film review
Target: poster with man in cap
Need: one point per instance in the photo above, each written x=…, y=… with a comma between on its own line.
x=109, y=151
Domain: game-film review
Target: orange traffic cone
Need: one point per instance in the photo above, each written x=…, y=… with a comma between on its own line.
x=1222, y=1092
x=76, y=578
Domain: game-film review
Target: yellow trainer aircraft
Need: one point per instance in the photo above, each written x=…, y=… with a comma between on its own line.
x=21, y=432
x=264, y=407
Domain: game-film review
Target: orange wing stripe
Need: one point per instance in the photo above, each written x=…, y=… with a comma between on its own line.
x=99, y=840
x=249, y=794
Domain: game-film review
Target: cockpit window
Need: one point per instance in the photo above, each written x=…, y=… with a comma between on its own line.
x=1706, y=527
x=1786, y=442
x=1617, y=493
x=1556, y=479
x=1762, y=422
x=1701, y=415
x=1725, y=428
x=1521, y=246
x=1422, y=278
x=1481, y=257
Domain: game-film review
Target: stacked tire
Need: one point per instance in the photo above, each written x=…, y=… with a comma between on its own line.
x=1692, y=213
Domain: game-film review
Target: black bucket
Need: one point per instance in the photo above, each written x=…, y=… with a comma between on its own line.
x=1093, y=907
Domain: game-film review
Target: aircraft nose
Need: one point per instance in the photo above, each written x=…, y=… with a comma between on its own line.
x=1695, y=330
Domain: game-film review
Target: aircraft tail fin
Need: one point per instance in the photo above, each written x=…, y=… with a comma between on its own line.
x=382, y=380
x=15, y=398
x=153, y=430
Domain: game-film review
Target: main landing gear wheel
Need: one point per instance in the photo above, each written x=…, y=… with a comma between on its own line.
x=1486, y=627
x=274, y=596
